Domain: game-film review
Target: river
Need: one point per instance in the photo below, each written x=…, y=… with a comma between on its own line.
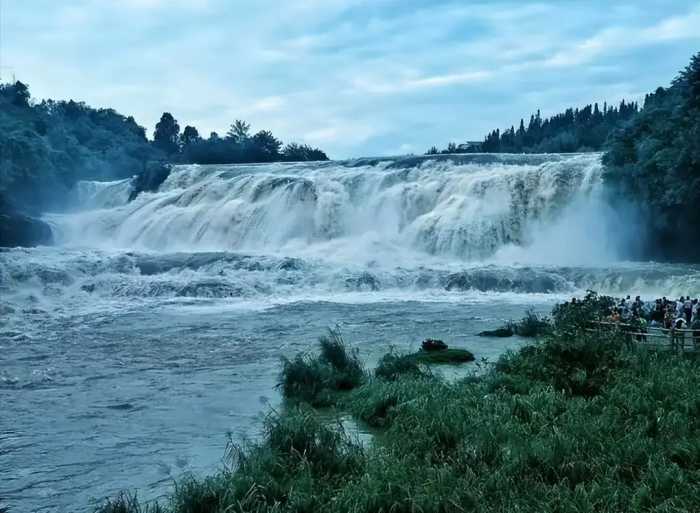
x=153, y=330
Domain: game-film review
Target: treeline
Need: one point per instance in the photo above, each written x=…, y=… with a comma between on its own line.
x=654, y=162
x=237, y=146
x=574, y=130
x=45, y=147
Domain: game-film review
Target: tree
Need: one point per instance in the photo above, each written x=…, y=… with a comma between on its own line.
x=21, y=94
x=190, y=135
x=294, y=152
x=265, y=147
x=239, y=132
x=166, y=134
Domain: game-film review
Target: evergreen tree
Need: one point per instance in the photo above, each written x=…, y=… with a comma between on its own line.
x=166, y=134
x=239, y=132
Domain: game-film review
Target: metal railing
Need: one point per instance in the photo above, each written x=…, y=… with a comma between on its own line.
x=679, y=339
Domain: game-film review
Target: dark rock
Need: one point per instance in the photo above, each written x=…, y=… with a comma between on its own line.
x=18, y=229
x=149, y=179
x=431, y=344
x=364, y=281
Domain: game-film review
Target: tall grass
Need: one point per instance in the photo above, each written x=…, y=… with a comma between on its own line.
x=578, y=421
x=315, y=379
x=125, y=502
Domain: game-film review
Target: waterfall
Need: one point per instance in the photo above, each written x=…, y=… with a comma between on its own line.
x=468, y=207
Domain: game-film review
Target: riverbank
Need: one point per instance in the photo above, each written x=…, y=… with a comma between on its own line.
x=578, y=421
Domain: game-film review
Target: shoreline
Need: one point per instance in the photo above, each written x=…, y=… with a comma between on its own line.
x=570, y=420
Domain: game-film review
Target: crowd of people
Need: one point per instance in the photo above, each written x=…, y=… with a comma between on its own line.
x=683, y=313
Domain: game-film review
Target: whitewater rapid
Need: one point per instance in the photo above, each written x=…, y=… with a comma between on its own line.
x=467, y=207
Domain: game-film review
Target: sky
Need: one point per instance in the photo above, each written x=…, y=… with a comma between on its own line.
x=353, y=77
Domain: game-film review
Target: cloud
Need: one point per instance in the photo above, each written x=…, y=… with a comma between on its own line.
x=386, y=86
x=354, y=76
x=619, y=38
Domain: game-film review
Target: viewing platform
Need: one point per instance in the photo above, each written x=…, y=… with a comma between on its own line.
x=675, y=339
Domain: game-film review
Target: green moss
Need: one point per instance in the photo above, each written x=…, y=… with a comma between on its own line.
x=453, y=356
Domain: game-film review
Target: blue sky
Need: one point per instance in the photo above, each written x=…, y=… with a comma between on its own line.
x=354, y=77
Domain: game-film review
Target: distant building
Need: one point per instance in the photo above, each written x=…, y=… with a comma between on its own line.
x=469, y=147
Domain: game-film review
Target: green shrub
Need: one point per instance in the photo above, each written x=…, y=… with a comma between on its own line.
x=532, y=325
x=394, y=365
x=127, y=502
x=348, y=370
x=449, y=356
x=315, y=379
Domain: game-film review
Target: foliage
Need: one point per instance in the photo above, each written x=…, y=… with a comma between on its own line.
x=127, y=503
x=574, y=130
x=654, y=161
x=314, y=379
x=444, y=356
x=393, y=365
x=167, y=134
x=46, y=147
x=530, y=326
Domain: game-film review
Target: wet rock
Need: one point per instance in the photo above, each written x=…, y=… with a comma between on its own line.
x=433, y=344
x=364, y=281
x=149, y=179
x=18, y=229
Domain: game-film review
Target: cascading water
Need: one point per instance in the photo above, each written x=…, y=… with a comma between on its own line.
x=155, y=326
x=466, y=208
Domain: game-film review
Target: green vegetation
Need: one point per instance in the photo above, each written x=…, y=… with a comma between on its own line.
x=316, y=379
x=532, y=325
x=654, y=162
x=444, y=356
x=574, y=130
x=48, y=146
x=394, y=365
x=574, y=422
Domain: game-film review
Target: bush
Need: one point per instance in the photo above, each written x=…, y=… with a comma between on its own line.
x=394, y=365
x=314, y=379
x=348, y=370
x=532, y=325
x=125, y=502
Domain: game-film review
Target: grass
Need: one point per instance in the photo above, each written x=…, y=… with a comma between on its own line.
x=530, y=326
x=440, y=357
x=394, y=365
x=315, y=379
x=575, y=422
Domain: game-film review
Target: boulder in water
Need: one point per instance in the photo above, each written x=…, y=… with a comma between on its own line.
x=432, y=344
x=149, y=179
x=17, y=229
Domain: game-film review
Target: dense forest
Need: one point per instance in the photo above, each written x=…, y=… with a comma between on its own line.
x=574, y=130
x=46, y=146
x=654, y=162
